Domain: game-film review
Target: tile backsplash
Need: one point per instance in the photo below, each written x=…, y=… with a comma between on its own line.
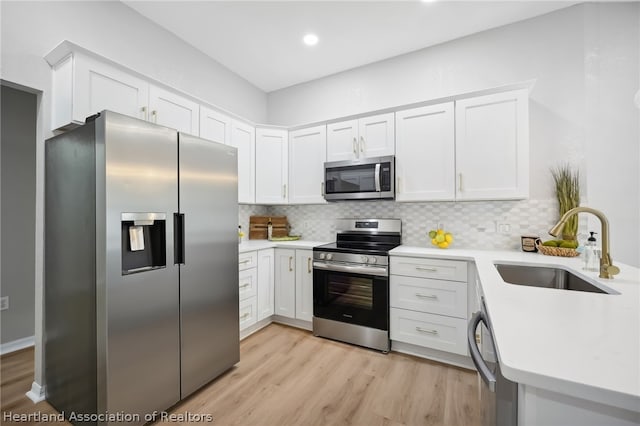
x=479, y=224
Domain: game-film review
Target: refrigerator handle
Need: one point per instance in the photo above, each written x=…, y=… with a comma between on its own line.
x=178, y=238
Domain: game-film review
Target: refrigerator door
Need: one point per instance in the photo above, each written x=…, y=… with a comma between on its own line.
x=138, y=309
x=209, y=274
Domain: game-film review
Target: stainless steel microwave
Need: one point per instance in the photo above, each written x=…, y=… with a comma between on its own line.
x=366, y=179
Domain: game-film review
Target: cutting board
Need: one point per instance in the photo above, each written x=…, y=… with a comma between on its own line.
x=258, y=227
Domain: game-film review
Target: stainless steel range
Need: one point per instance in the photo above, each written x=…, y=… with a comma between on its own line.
x=351, y=282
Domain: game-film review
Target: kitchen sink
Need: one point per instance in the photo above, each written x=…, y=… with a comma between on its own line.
x=547, y=277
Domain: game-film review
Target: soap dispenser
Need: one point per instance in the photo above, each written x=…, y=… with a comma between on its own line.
x=269, y=230
x=591, y=254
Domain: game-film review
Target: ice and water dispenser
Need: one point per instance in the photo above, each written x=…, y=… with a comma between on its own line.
x=144, y=237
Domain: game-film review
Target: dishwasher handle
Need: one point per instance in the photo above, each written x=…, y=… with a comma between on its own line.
x=485, y=372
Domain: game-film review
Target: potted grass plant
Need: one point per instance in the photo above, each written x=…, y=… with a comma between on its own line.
x=567, y=186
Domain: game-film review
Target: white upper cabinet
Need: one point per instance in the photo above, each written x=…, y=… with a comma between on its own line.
x=215, y=126
x=492, y=146
x=172, y=110
x=307, y=154
x=425, y=153
x=83, y=86
x=376, y=135
x=243, y=138
x=371, y=136
x=271, y=166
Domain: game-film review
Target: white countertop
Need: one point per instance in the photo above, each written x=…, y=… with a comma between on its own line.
x=252, y=245
x=577, y=343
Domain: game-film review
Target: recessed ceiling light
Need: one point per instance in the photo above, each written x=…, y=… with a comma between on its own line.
x=310, y=39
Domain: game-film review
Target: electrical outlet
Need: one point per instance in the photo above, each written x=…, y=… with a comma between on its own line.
x=4, y=303
x=504, y=228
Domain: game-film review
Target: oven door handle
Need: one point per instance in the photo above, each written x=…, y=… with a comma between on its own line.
x=485, y=372
x=377, y=178
x=364, y=270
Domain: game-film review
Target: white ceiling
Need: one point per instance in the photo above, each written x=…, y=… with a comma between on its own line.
x=262, y=40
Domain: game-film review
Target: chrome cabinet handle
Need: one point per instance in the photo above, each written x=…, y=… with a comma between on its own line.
x=426, y=296
x=422, y=268
x=245, y=285
x=242, y=262
x=290, y=259
x=154, y=116
x=355, y=147
x=460, y=187
x=309, y=265
x=284, y=191
x=246, y=314
x=146, y=114
x=361, y=144
x=424, y=330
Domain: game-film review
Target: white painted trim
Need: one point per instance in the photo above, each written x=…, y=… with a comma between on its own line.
x=16, y=345
x=255, y=327
x=433, y=354
x=293, y=322
x=37, y=393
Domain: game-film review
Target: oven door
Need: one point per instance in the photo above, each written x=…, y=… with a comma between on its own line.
x=372, y=178
x=352, y=297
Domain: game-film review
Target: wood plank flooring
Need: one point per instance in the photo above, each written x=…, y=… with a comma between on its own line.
x=286, y=376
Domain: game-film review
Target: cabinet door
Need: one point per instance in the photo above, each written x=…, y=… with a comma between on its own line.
x=265, y=283
x=215, y=126
x=342, y=141
x=307, y=154
x=492, y=146
x=172, y=110
x=304, y=284
x=285, y=283
x=91, y=87
x=243, y=138
x=376, y=135
x=425, y=153
x=271, y=166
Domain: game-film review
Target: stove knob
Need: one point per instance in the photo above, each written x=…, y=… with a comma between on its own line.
x=321, y=256
x=329, y=256
x=365, y=259
x=374, y=260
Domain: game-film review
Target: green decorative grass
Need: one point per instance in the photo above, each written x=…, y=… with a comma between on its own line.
x=567, y=185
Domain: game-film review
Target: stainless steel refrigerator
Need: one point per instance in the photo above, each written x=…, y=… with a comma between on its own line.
x=141, y=267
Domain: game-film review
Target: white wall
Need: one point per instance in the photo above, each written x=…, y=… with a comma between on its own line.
x=565, y=105
x=29, y=30
x=18, y=147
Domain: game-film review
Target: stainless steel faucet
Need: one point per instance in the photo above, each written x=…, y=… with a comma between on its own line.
x=607, y=268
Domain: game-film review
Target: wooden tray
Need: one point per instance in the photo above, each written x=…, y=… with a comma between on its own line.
x=258, y=227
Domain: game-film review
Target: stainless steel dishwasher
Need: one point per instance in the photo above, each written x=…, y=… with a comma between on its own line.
x=498, y=395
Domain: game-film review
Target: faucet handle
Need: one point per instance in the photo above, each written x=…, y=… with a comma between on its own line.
x=612, y=269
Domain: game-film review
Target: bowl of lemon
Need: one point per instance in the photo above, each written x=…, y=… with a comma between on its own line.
x=441, y=238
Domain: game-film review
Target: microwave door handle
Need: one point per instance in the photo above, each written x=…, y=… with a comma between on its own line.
x=377, y=177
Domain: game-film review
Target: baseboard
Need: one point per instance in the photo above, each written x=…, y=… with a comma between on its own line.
x=16, y=345
x=433, y=354
x=37, y=393
x=254, y=328
x=293, y=322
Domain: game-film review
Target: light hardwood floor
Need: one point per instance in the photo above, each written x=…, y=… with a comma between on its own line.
x=287, y=376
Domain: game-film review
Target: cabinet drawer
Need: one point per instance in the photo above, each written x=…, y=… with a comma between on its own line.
x=429, y=330
x=248, y=283
x=428, y=295
x=248, y=310
x=247, y=260
x=453, y=270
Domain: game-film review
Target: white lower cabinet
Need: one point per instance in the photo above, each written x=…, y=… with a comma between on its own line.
x=294, y=284
x=285, y=283
x=304, y=285
x=265, y=283
x=428, y=299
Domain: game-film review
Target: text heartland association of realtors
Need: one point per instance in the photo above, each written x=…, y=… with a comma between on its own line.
x=120, y=416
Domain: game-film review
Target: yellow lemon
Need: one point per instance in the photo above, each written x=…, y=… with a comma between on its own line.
x=448, y=237
x=443, y=244
x=434, y=242
x=439, y=238
x=440, y=231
